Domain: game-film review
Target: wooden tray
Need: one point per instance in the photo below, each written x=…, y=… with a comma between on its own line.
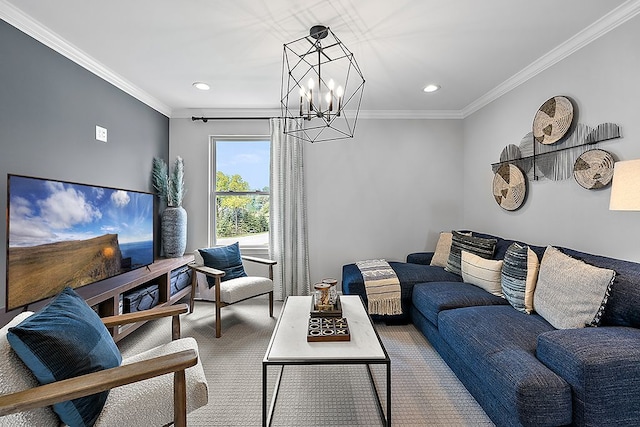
x=328, y=329
x=336, y=312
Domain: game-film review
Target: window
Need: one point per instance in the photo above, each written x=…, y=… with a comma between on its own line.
x=240, y=196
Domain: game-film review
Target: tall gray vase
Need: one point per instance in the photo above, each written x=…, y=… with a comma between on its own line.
x=174, y=231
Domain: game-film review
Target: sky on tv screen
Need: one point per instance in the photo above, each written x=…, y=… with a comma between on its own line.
x=43, y=211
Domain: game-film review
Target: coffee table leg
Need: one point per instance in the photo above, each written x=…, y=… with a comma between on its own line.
x=388, y=365
x=386, y=420
x=268, y=416
x=264, y=394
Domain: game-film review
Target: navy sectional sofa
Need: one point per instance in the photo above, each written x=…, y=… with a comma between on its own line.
x=519, y=368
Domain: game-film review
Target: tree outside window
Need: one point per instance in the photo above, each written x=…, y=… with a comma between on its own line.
x=241, y=191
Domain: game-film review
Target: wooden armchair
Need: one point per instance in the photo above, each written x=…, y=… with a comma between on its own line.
x=227, y=292
x=189, y=386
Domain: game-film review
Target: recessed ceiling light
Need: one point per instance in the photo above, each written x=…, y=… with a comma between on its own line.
x=201, y=85
x=431, y=88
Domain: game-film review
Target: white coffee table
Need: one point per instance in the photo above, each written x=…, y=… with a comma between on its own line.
x=289, y=346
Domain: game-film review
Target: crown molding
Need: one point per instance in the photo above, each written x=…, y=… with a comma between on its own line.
x=363, y=114
x=221, y=113
x=410, y=114
x=39, y=32
x=608, y=22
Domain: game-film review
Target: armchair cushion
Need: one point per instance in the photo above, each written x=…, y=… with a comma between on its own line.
x=15, y=376
x=224, y=258
x=119, y=409
x=63, y=340
x=245, y=287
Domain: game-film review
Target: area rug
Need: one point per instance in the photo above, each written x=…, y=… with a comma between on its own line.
x=424, y=390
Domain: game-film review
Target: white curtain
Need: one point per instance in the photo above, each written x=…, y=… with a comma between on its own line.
x=288, y=216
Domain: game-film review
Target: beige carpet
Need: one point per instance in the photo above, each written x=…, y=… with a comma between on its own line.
x=424, y=390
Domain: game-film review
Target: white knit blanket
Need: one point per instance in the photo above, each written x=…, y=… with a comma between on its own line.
x=382, y=287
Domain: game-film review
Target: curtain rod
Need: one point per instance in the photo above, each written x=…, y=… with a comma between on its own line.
x=206, y=119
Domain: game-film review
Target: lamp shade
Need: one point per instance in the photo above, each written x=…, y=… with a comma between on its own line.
x=625, y=190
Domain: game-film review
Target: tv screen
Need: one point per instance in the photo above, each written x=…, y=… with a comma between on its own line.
x=67, y=234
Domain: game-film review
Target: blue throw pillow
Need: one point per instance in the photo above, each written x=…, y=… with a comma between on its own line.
x=225, y=258
x=63, y=340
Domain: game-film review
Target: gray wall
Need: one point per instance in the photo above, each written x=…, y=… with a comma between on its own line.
x=49, y=107
x=384, y=193
x=603, y=79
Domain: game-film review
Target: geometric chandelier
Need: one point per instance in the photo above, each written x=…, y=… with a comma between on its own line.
x=322, y=87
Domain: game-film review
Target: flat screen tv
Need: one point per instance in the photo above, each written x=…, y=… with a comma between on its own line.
x=68, y=234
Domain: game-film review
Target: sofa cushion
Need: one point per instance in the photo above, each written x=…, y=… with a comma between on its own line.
x=519, y=276
x=484, y=273
x=502, y=245
x=423, y=258
x=476, y=245
x=63, y=340
x=15, y=376
x=224, y=258
x=571, y=293
x=602, y=365
x=499, y=344
x=432, y=298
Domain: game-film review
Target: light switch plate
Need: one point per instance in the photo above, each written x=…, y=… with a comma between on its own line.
x=101, y=133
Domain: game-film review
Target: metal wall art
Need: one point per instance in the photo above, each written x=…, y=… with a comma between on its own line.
x=557, y=148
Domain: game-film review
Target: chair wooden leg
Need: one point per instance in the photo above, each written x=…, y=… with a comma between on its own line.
x=194, y=285
x=179, y=399
x=218, y=306
x=271, y=304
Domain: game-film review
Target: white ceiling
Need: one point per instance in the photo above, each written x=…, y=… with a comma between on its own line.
x=476, y=50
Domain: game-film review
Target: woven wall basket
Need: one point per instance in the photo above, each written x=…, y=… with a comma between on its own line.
x=509, y=187
x=593, y=169
x=553, y=120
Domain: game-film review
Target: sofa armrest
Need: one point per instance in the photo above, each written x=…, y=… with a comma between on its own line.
x=423, y=258
x=602, y=366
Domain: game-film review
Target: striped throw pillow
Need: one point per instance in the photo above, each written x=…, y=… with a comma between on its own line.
x=484, y=273
x=519, y=276
x=482, y=247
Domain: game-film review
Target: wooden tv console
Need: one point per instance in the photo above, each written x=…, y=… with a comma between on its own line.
x=105, y=295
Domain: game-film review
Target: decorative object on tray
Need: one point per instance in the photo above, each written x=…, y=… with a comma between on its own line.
x=553, y=120
x=594, y=169
x=325, y=310
x=333, y=289
x=509, y=187
x=328, y=329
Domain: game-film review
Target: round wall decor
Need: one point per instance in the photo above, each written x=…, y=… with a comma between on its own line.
x=553, y=120
x=594, y=169
x=509, y=187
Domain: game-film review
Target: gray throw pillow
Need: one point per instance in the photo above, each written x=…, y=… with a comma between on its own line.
x=571, y=293
x=482, y=247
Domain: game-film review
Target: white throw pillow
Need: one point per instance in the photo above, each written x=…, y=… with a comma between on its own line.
x=484, y=273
